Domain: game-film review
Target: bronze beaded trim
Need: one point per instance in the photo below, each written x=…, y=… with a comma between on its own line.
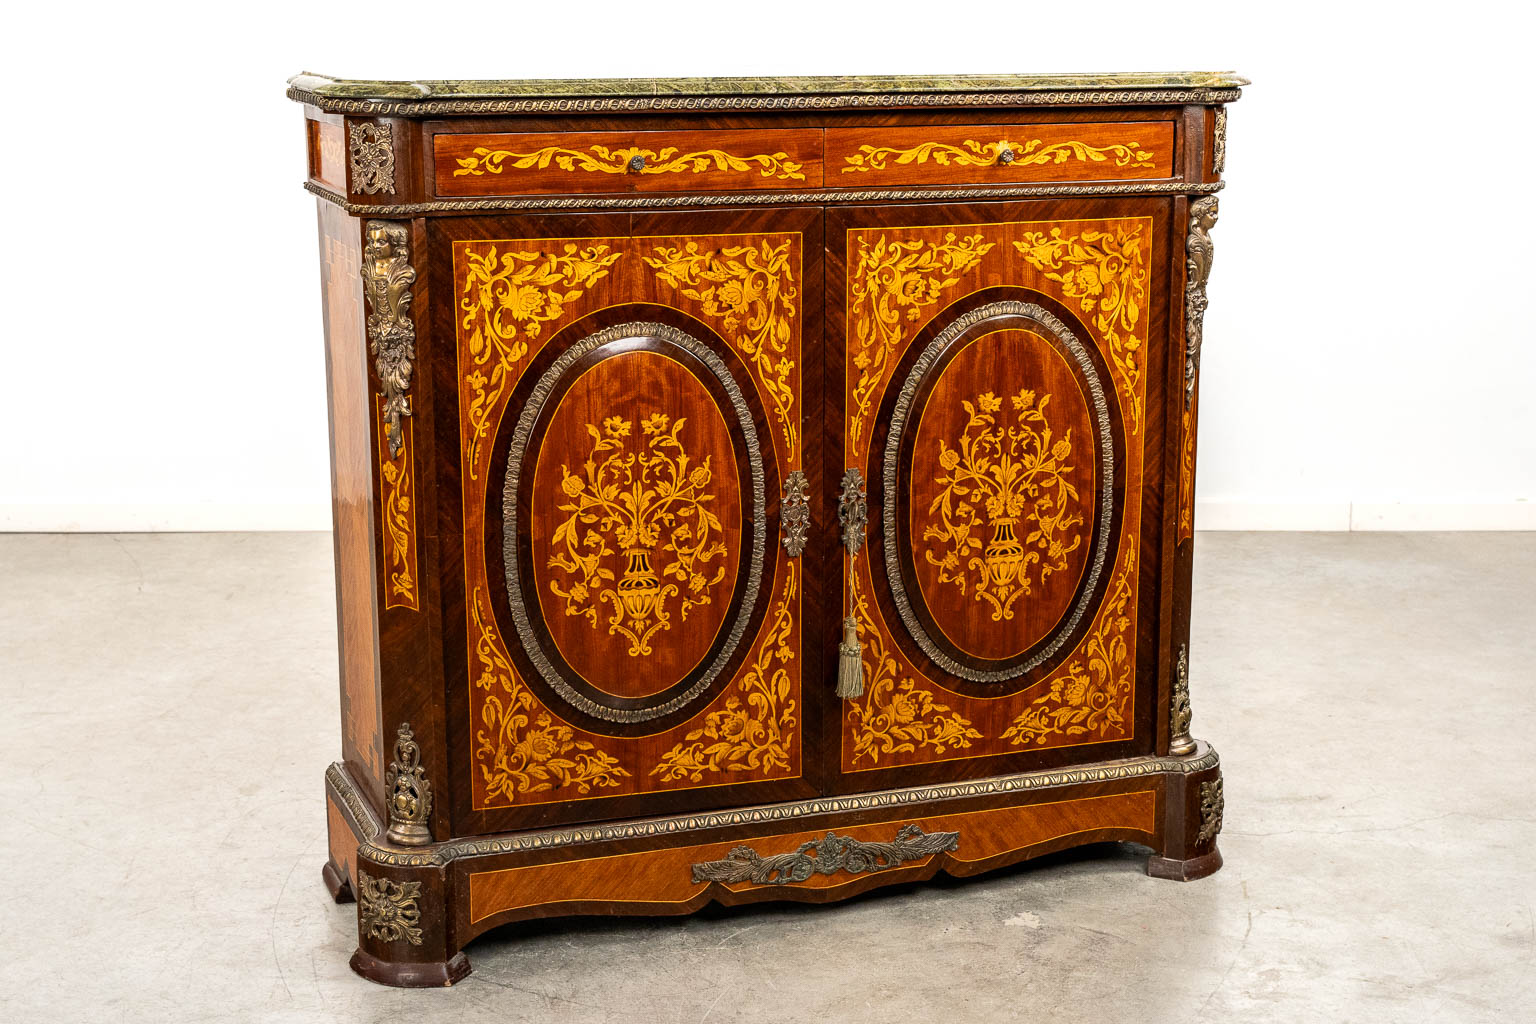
x=855, y=101
x=826, y=198
x=549, y=839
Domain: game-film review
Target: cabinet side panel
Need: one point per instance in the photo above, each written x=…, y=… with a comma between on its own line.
x=351, y=492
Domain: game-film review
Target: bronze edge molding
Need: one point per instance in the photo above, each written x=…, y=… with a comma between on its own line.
x=825, y=197
x=851, y=101
x=339, y=781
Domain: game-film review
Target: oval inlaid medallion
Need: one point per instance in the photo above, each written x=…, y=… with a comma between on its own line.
x=1001, y=461
x=634, y=498
x=639, y=526
x=1001, y=494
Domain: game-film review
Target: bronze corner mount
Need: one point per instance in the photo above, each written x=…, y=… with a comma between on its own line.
x=409, y=793
x=387, y=280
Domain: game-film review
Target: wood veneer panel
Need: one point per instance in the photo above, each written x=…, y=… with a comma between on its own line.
x=352, y=490
x=327, y=153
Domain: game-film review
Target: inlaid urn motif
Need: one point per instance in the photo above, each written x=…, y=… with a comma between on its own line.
x=642, y=495
x=1006, y=467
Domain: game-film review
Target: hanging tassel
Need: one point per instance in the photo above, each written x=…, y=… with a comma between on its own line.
x=850, y=662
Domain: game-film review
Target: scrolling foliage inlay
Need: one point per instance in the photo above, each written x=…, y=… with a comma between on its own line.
x=398, y=521
x=891, y=282
x=506, y=299
x=628, y=160
x=895, y=715
x=1092, y=695
x=521, y=747
x=971, y=153
x=637, y=500
x=755, y=736
x=750, y=288
x=1106, y=272
x=1002, y=472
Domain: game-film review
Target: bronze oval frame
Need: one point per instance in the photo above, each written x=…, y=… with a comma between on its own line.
x=532, y=647
x=891, y=472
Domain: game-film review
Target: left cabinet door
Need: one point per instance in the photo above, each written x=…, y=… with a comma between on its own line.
x=626, y=624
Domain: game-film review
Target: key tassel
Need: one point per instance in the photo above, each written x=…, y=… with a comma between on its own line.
x=850, y=662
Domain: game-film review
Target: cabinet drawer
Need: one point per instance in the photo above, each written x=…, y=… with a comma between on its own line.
x=559, y=162
x=974, y=154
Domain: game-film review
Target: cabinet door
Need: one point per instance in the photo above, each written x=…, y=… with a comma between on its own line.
x=1000, y=369
x=629, y=632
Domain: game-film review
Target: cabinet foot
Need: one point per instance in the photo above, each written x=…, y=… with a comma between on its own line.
x=1184, y=870
x=339, y=888
x=411, y=975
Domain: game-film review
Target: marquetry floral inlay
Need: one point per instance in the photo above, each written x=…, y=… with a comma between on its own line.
x=628, y=160
x=895, y=715
x=637, y=498
x=1106, y=272
x=751, y=289
x=1007, y=473
x=506, y=299
x=1090, y=697
x=891, y=283
x=754, y=736
x=986, y=154
x=399, y=529
x=1187, y=476
x=521, y=748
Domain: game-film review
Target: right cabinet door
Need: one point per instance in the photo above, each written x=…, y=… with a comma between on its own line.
x=1004, y=373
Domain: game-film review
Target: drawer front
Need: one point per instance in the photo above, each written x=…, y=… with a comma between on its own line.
x=975, y=154
x=559, y=162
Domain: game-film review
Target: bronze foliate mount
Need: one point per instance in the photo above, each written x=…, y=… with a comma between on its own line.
x=826, y=856
x=371, y=151
x=795, y=513
x=387, y=280
x=1180, y=743
x=1213, y=807
x=1198, y=253
x=387, y=910
x=409, y=792
x=853, y=515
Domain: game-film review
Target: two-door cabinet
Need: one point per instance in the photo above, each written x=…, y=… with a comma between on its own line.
x=756, y=489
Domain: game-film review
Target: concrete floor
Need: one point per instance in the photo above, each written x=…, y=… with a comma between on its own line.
x=170, y=706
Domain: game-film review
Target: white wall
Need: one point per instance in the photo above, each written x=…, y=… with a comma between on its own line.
x=1369, y=347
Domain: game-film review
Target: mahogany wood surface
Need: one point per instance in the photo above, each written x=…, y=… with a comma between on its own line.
x=568, y=575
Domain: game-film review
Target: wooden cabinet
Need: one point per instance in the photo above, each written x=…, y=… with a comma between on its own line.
x=756, y=489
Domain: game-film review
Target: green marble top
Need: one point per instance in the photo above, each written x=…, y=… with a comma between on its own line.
x=820, y=85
